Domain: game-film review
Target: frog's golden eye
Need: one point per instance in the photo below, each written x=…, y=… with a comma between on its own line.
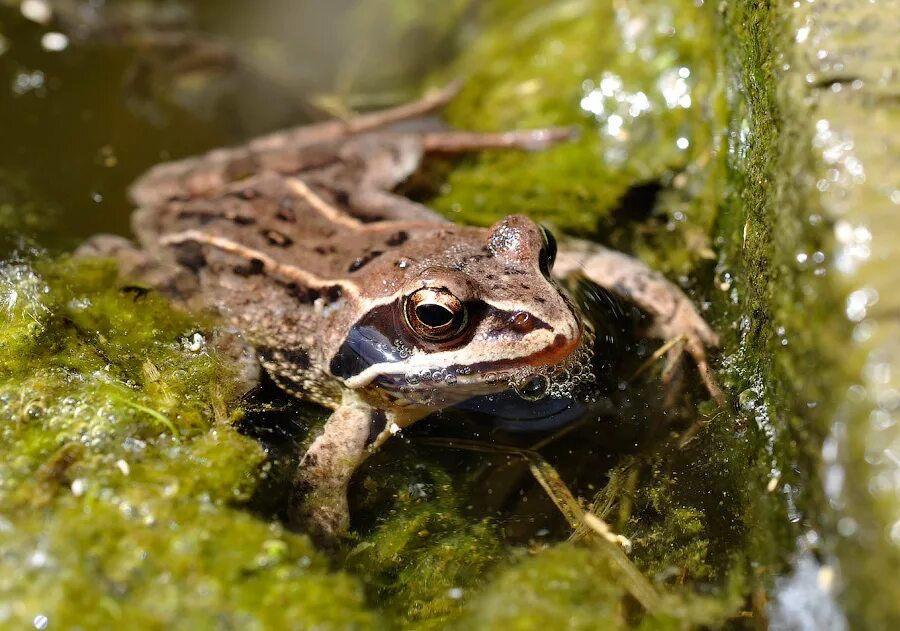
x=435, y=314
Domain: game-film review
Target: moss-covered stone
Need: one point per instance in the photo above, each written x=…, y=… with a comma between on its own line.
x=122, y=476
x=425, y=558
x=566, y=583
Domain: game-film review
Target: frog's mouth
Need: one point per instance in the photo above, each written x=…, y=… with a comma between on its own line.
x=562, y=372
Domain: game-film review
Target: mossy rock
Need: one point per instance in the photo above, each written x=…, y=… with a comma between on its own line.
x=123, y=478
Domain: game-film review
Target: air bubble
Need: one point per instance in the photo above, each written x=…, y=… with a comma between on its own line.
x=534, y=389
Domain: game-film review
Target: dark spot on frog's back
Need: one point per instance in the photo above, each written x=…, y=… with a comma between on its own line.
x=278, y=239
x=398, y=238
x=361, y=261
x=307, y=296
x=303, y=295
x=204, y=217
x=342, y=199
x=190, y=254
x=286, y=212
x=252, y=268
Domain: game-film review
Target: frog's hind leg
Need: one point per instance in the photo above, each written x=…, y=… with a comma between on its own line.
x=198, y=175
x=450, y=142
x=673, y=315
x=333, y=130
x=319, y=500
x=390, y=158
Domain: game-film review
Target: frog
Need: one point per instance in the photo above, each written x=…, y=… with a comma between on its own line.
x=354, y=297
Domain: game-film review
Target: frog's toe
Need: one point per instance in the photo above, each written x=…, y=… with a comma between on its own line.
x=697, y=351
x=695, y=336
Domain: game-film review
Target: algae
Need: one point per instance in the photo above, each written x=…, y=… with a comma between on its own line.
x=123, y=476
x=843, y=68
x=424, y=557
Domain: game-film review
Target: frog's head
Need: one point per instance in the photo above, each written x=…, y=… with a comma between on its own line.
x=480, y=316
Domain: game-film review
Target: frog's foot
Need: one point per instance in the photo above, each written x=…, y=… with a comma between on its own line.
x=673, y=316
x=319, y=500
x=693, y=336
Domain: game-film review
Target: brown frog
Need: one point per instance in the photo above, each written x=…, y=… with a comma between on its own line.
x=368, y=303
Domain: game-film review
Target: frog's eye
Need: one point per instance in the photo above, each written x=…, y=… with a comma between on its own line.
x=435, y=314
x=547, y=255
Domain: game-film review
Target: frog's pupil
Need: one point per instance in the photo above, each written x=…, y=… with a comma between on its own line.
x=434, y=315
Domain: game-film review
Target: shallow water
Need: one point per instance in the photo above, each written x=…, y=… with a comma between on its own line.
x=127, y=485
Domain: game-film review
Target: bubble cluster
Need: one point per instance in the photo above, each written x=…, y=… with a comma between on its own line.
x=572, y=379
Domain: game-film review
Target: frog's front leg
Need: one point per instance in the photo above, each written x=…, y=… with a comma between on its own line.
x=672, y=312
x=319, y=501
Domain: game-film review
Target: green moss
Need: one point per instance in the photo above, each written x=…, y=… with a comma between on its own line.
x=424, y=558
x=565, y=583
x=575, y=587
x=635, y=79
x=123, y=476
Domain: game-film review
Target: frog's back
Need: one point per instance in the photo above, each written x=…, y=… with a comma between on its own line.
x=276, y=242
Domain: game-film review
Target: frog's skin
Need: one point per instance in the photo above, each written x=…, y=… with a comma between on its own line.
x=368, y=303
